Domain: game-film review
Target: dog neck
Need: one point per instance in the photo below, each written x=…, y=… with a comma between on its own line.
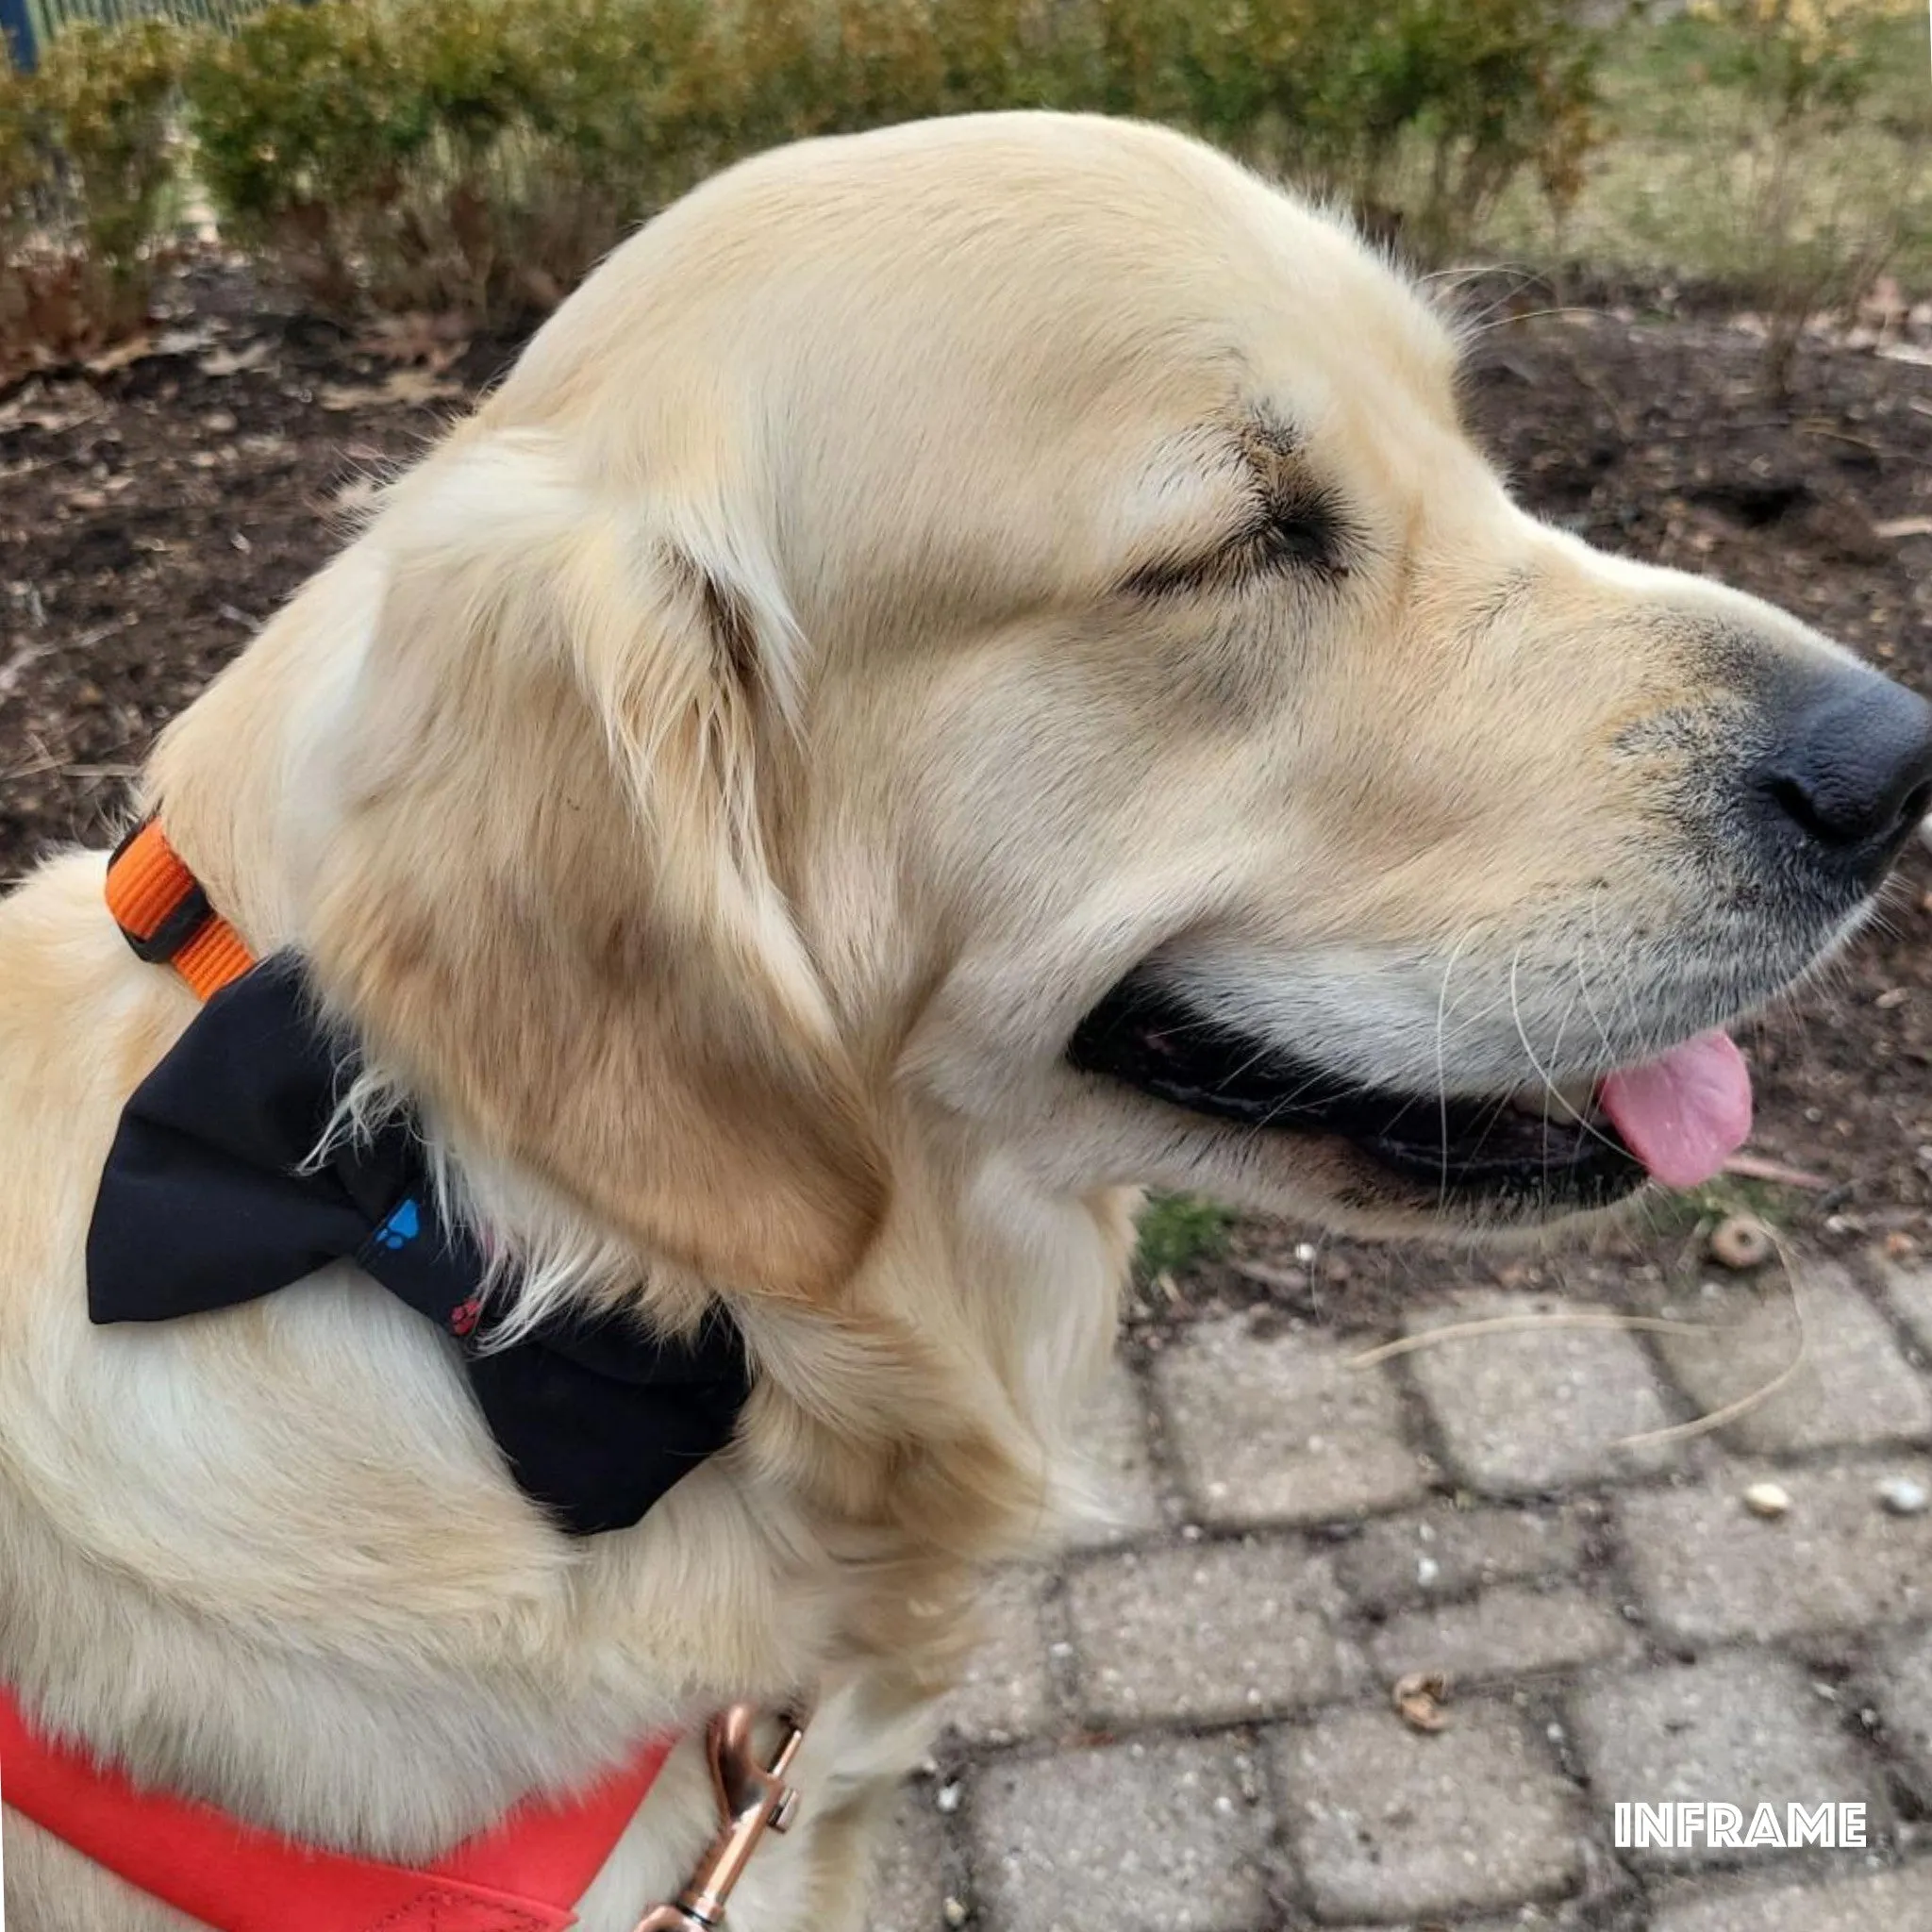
x=243, y=774
x=963, y=1348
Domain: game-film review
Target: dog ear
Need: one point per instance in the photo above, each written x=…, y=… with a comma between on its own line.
x=547, y=904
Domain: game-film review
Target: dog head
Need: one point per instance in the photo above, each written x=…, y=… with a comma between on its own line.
x=1000, y=623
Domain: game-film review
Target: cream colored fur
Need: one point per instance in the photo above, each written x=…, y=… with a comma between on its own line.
x=714, y=784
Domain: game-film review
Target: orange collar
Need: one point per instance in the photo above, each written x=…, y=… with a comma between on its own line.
x=525, y=1875
x=165, y=916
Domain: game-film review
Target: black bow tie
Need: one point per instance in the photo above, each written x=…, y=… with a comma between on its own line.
x=212, y=1196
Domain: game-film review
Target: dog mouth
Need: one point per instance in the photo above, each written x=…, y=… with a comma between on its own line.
x=1543, y=1150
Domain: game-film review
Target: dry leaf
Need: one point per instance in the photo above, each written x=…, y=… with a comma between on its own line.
x=120, y=356
x=405, y=387
x=33, y=409
x=172, y=342
x=419, y=386
x=232, y=361
x=435, y=341
x=349, y=395
x=1419, y=1699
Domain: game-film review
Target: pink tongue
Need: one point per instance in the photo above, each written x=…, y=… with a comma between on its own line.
x=1686, y=1114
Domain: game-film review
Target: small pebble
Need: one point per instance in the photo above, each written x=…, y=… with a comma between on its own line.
x=1903, y=1496
x=1767, y=1499
x=948, y=1798
x=1740, y=1240
x=956, y=1912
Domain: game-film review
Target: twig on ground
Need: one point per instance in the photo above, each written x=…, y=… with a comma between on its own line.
x=1756, y=1167
x=1703, y=1425
x=1505, y=1325
x=1649, y=1324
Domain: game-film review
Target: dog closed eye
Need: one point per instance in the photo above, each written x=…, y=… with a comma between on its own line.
x=1292, y=522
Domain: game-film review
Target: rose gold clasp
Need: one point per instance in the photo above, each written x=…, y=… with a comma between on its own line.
x=752, y=1799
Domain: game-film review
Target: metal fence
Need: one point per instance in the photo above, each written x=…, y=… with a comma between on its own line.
x=28, y=26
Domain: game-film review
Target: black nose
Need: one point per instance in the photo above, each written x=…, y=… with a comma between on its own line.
x=1852, y=770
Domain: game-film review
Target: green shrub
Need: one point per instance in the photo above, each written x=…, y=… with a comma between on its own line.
x=809, y=67
x=471, y=153
x=1431, y=105
x=1779, y=150
x=1806, y=80
x=480, y=155
x=23, y=155
x=24, y=176
x=86, y=178
x=108, y=93
x=1798, y=57
x=999, y=54
x=632, y=99
x=306, y=120
x=1492, y=88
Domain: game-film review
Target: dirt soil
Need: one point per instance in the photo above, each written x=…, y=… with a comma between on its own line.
x=154, y=512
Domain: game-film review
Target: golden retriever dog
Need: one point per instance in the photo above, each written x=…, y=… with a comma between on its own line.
x=971, y=669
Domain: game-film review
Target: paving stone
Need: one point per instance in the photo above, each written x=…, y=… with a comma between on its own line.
x=1007, y=1692
x=1854, y=1386
x=1876, y=1902
x=1537, y=1408
x=1908, y=1289
x=909, y=1888
x=1165, y=1834
x=1387, y=1822
x=1118, y=1441
x=1557, y=1915
x=1510, y=1630
x=1707, y=1569
x=1905, y=1696
x=1564, y=1915
x=1445, y=1551
x=1207, y=1632
x=1282, y=1429
x=1743, y=1728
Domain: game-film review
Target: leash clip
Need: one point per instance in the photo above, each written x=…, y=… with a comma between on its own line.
x=753, y=1798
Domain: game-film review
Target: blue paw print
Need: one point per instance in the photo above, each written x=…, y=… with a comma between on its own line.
x=401, y=1228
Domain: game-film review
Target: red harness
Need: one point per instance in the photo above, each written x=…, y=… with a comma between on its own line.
x=525, y=1874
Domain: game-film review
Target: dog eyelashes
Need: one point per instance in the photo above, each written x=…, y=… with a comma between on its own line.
x=1307, y=530
x=1302, y=529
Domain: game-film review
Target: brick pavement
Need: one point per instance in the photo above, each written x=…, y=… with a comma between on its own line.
x=1188, y=1723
